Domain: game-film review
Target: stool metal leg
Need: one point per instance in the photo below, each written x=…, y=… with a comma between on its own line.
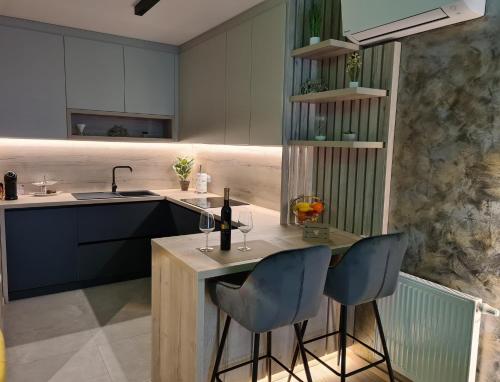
x=343, y=342
x=296, y=351
x=342, y=324
x=269, y=353
x=382, y=339
x=221, y=349
x=255, y=362
x=302, y=351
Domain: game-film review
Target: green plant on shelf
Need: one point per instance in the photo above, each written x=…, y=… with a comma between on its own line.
x=183, y=167
x=354, y=67
x=315, y=19
x=313, y=86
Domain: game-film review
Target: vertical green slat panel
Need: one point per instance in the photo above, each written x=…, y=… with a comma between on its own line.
x=363, y=136
x=372, y=135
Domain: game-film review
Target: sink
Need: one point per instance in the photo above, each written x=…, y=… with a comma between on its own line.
x=112, y=195
x=137, y=193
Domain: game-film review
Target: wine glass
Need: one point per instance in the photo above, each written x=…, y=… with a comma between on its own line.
x=207, y=225
x=245, y=225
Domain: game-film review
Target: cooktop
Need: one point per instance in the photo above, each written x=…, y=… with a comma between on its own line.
x=212, y=202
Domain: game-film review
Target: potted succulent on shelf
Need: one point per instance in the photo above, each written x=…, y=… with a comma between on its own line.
x=354, y=69
x=315, y=20
x=349, y=136
x=182, y=168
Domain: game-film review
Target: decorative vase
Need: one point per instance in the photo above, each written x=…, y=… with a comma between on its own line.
x=184, y=185
x=353, y=84
x=314, y=40
x=349, y=136
x=81, y=128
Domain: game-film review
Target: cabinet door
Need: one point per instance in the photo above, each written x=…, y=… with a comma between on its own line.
x=41, y=247
x=238, y=94
x=94, y=75
x=32, y=93
x=114, y=260
x=149, y=82
x=123, y=221
x=203, y=91
x=268, y=55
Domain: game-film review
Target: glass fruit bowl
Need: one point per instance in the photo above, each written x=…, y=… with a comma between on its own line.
x=307, y=209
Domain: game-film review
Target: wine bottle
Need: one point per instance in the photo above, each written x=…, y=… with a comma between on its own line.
x=225, y=228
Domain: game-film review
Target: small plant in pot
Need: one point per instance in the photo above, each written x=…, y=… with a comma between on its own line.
x=315, y=20
x=182, y=168
x=354, y=69
x=349, y=136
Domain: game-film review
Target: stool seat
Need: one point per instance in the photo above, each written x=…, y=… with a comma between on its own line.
x=368, y=271
x=283, y=289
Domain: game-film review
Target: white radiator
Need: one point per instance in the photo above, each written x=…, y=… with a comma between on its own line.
x=432, y=332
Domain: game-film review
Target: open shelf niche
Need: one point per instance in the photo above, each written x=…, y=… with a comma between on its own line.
x=136, y=127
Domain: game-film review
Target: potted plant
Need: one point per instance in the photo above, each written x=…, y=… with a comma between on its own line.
x=182, y=168
x=315, y=23
x=349, y=136
x=354, y=69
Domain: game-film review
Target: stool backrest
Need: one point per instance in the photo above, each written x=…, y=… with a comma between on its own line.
x=368, y=271
x=286, y=287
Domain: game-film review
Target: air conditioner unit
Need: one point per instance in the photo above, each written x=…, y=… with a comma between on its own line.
x=368, y=21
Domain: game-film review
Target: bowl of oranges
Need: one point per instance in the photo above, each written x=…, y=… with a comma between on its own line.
x=307, y=209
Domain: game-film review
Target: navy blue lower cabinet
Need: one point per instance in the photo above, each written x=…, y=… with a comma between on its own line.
x=55, y=249
x=185, y=221
x=41, y=248
x=114, y=260
x=123, y=221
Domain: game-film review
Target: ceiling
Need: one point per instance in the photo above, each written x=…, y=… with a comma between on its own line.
x=169, y=21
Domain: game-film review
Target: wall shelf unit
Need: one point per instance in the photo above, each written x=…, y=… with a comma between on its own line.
x=325, y=49
x=348, y=94
x=340, y=144
x=138, y=127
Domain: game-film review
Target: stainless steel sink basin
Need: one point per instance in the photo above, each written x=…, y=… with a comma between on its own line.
x=113, y=195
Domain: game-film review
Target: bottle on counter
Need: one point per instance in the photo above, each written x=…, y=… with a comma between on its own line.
x=225, y=229
x=1, y=191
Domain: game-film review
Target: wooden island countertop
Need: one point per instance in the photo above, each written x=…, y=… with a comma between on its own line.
x=186, y=324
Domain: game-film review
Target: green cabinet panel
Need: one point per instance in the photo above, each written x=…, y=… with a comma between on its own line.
x=268, y=71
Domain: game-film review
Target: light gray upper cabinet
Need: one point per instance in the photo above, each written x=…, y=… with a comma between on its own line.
x=238, y=89
x=203, y=91
x=94, y=75
x=32, y=94
x=149, y=81
x=232, y=84
x=268, y=71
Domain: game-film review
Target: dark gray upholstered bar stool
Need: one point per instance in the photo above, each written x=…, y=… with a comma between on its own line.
x=368, y=271
x=283, y=289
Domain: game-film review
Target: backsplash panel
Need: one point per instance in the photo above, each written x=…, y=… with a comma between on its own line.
x=253, y=173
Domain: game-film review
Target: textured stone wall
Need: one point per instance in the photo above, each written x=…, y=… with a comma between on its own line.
x=446, y=172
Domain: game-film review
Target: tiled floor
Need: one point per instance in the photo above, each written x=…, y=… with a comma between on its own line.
x=100, y=334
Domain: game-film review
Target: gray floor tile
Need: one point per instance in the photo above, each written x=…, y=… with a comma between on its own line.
x=83, y=365
x=65, y=336
x=128, y=360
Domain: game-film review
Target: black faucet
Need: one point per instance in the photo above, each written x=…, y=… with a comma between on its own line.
x=113, y=185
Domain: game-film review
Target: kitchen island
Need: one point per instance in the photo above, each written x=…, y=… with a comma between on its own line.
x=187, y=325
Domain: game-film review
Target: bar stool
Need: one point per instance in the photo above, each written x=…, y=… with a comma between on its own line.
x=283, y=289
x=368, y=271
